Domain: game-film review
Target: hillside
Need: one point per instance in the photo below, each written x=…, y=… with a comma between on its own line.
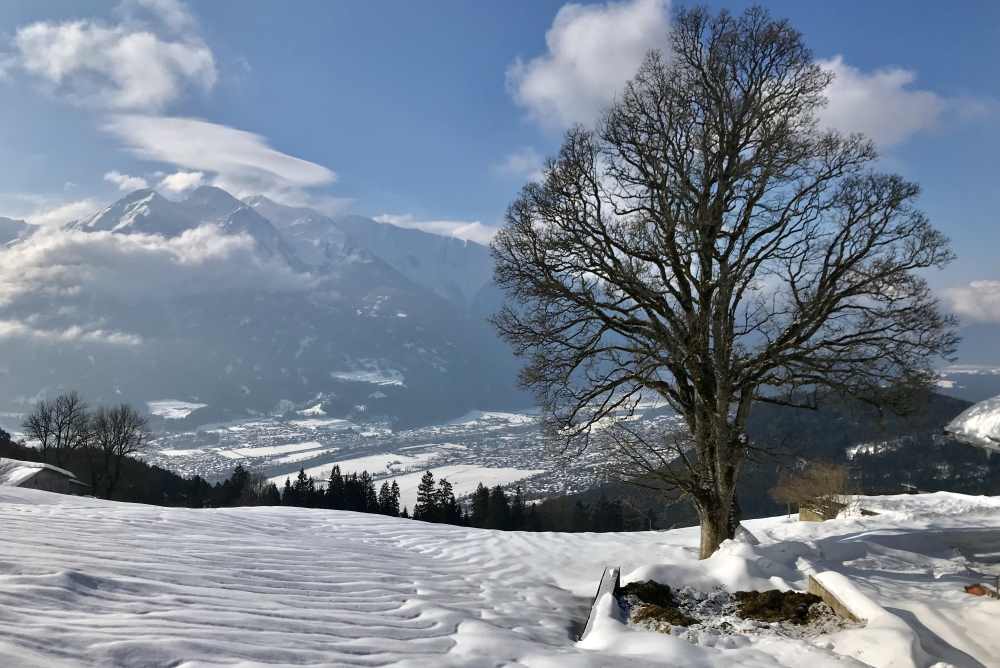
x=90, y=582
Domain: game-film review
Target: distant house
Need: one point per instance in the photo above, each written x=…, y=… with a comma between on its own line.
x=35, y=475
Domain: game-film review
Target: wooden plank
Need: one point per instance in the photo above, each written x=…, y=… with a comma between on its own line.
x=816, y=588
x=610, y=584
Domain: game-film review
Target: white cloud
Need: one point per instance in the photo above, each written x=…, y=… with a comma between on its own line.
x=172, y=14
x=978, y=301
x=71, y=286
x=592, y=52
x=57, y=215
x=16, y=329
x=526, y=163
x=238, y=161
x=180, y=182
x=883, y=105
x=67, y=263
x=460, y=229
x=124, y=66
x=125, y=182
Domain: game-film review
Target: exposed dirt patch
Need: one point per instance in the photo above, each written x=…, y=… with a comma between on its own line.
x=649, y=591
x=727, y=619
x=775, y=606
x=660, y=615
x=652, y=604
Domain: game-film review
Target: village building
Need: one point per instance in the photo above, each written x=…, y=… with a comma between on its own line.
x=36, y=475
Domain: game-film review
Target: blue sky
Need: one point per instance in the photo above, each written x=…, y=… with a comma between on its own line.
x=432, y=114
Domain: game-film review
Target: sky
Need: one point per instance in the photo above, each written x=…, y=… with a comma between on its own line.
x=433, y=114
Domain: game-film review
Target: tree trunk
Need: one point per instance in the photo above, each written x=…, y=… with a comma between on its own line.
x=715, y=527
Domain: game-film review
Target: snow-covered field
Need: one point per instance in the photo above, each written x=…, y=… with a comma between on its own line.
x=464, y=479
x=86, y=582
x=407, y=470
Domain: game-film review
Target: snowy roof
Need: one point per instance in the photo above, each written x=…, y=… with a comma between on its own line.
x=978, y=425
x=15, y=472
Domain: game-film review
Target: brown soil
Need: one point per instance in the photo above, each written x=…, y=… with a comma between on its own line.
x=650, y=591
x=659, y=615
x=775, y=606
x=656, y=604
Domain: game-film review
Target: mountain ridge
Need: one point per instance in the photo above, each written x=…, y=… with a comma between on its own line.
x=358, y=316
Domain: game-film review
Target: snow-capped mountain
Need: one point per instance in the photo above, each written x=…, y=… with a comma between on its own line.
x=12, y=230
x=148, y=212
x=184, y=307
x=453, y=268
x=140, y=212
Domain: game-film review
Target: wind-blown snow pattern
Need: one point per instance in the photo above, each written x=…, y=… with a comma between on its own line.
x=85, y=582
x=978, y=425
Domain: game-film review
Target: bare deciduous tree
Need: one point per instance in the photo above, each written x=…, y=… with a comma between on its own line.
x=710, y=244
x=60, y=425
x=39, y=426
x=116, y=433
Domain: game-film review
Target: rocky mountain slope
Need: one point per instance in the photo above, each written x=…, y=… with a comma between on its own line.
x=251, y=306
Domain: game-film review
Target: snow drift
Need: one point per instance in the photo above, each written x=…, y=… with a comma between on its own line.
x=87, y=582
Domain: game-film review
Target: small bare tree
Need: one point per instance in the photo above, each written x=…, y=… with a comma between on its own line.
x=60, y=425
x=711, y=245
x=116, y=433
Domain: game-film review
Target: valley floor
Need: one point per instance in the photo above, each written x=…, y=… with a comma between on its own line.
x=85, y=582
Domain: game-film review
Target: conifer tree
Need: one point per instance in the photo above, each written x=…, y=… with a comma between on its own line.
x=426, y=508
x=369, y=498
x=448, y=509
x=300, y=490
x=517, y=510
x=480, y=506
x=394, y=499
x=335, y=489
x=353, y=494
x=383, y=498
x=499, y=515
x=312, y=495
x=272, y=497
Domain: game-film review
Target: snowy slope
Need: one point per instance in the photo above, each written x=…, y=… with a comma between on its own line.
x=979, y=425
x=455, y=269
x=87, y=582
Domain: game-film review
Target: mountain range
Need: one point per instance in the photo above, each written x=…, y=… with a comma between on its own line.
x=251, y=306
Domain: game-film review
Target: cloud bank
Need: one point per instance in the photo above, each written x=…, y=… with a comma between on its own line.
x=979, y=301
x=460, y=229
x=52, y=285
x=57, y=215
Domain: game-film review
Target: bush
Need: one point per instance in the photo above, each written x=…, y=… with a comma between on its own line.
x=820, y=486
